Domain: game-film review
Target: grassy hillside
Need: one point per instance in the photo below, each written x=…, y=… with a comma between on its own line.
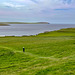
x=62, y=32
x=49, y=53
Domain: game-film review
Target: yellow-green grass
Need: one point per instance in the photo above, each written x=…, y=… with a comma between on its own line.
x=62, y=32
x=50, y=53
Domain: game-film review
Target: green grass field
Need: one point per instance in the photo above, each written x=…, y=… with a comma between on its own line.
x=49, y=53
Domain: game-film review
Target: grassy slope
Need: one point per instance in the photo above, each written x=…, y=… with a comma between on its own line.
x=50, y=53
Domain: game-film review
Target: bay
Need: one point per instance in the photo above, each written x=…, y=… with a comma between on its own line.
x=31, y=29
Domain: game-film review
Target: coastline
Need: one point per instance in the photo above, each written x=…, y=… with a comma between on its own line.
x=45, y=33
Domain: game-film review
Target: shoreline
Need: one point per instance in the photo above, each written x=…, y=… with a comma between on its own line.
x=37, y=34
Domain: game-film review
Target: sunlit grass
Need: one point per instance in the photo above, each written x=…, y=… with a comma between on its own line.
x=50, y=53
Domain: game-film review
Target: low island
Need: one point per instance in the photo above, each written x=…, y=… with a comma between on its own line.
x=7, y=23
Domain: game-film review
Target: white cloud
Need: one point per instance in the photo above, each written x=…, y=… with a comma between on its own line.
x=6, y=4
x=23, y=1
x=44, y=4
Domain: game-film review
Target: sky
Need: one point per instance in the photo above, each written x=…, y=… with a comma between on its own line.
x=52, y=11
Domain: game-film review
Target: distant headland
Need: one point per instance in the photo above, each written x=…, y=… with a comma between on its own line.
x=8, y=23
x=4, y=24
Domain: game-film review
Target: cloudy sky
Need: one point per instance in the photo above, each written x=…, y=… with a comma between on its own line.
x=53, y=11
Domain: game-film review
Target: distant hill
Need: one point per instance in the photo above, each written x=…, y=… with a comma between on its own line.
x=7, y=23
x=4, y=24
x=43, y=22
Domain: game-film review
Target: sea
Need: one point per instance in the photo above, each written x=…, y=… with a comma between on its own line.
x=31, y=29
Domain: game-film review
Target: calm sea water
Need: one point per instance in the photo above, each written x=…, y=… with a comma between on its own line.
x=31, y=29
